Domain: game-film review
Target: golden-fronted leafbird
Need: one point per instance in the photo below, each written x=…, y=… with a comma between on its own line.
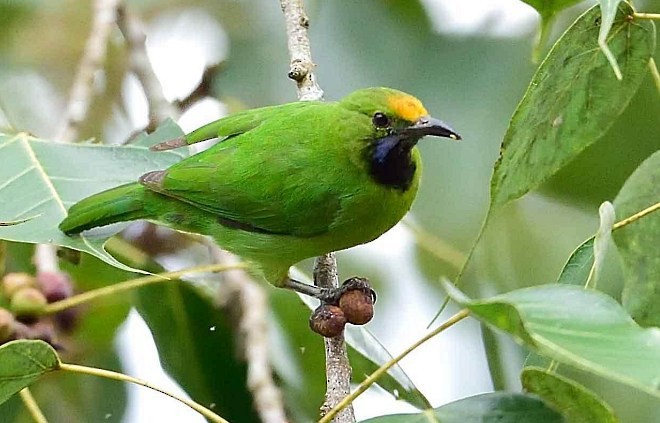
x=286, y=182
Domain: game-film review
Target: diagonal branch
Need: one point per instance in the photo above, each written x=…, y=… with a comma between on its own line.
x=133, y=32
x=105, y=12
x=337, y=367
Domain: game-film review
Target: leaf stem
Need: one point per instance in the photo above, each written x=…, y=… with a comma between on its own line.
x=636, y=216
x=651, y=16
x=385, y=367
x=32, y=406
x=468, y=257
x=108, y=374
x=135, y=283
x=541, y=38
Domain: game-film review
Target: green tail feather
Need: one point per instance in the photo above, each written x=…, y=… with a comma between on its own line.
x=119, y=204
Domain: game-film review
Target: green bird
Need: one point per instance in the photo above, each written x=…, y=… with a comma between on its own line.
x=286, y=182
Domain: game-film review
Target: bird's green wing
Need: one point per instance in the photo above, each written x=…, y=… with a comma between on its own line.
x=232, y=125
x=282, y=176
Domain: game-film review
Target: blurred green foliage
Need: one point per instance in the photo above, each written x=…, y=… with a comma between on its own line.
x=472, y=80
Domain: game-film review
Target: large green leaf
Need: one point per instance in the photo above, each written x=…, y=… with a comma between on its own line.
x=69, y=397
x=500, y=407
x=584, y=328
x=197, y=346
x=39, y=180
x=572, y=100
x=638, y=242
x=23, y=362
x=575, y=401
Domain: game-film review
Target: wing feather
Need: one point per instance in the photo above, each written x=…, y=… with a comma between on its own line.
x=266, y=178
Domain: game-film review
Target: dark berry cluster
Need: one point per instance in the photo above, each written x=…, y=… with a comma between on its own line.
x=23, y=300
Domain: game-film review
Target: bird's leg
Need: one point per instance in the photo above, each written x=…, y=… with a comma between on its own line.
x=330, y=295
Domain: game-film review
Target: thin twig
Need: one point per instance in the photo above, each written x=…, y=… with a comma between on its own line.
x=159, y=108
x=297, y=24
x=105, y=14
x=73, y=368
x=133, y=284
x=651, y=16
x=385, y=367
x=337, y=367
x=203, y=89
x=240, y=290
x=32, y=406
x=630, y=219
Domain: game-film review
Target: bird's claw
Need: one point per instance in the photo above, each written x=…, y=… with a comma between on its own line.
x=333, y=295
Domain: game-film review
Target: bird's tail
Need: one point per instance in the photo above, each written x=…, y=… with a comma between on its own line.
x=125, y=202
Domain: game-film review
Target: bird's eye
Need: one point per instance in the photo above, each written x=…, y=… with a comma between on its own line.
x=380, y=120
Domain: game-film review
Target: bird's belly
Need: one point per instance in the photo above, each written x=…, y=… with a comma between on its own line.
x=365, y=219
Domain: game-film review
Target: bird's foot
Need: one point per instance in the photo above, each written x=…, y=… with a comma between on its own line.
x=352, y=302
x=332, y=296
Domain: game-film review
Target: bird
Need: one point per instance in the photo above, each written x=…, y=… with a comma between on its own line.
x=285, y=182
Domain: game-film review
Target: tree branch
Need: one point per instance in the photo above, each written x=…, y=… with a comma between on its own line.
x=297, y=24
x=131, y=28
x=250, y=300
x=105, y=13
x=337, y=367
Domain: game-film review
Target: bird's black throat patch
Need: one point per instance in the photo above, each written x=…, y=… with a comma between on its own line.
x=390, y=161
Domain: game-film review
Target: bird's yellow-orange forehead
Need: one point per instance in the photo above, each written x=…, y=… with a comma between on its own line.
x=407, y=107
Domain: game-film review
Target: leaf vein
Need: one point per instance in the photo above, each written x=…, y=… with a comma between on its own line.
x=44, y=175
x=17, y=176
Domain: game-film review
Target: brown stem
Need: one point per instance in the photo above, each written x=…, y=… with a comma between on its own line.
x=337, y=367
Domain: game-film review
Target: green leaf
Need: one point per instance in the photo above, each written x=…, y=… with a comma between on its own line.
x=497, y=407
x=577, y=268
x=70, y=397
x=576, y=402
x=197, y=345
x=23, y=362
x=571, y=102
x=549, y=8
x=638, y=242
x=584, y=328
x=41, y=179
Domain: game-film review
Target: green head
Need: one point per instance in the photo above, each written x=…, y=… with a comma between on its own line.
x=397, y=122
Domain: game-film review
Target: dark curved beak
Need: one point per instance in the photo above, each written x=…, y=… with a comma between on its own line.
x=428, y=125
